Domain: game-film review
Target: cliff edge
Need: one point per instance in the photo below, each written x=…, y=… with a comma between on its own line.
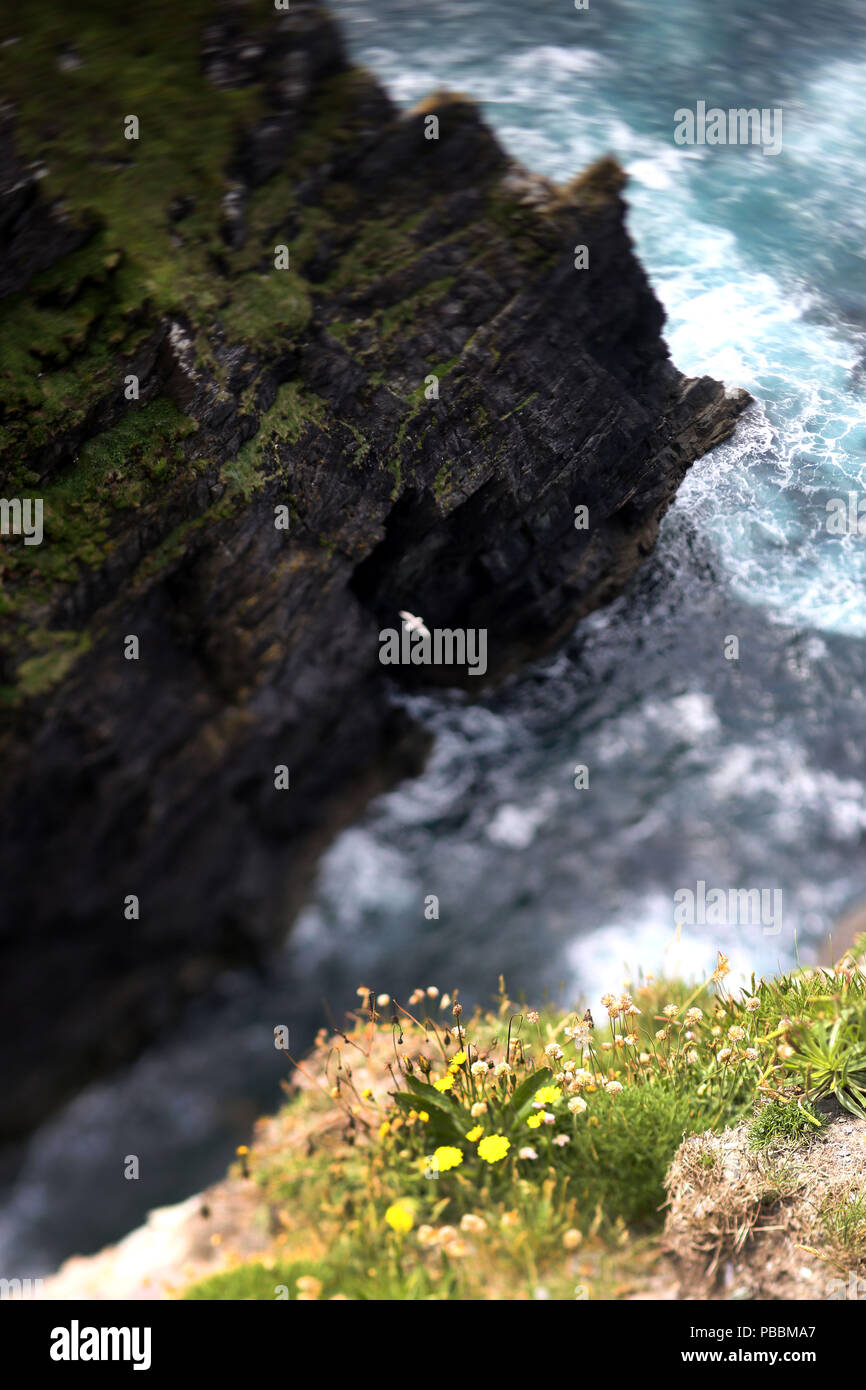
x=279, y=361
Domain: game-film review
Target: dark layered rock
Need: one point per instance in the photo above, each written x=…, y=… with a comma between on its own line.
x=414, y=258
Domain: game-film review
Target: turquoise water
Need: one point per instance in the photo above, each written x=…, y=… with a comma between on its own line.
x=744, y=775
x=747, y=775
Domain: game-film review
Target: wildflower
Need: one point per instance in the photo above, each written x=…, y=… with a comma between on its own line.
x=527, y=1152
x=456, y=1249
x=432, y=992
x=693, y=1016
x=561, y=1140
x=427, y=1235
x=613, y=1088
x=577, y=1105
x=532, y=1016
x=367, y=1092
x=473, y=1224
x=661, y=1034
x=671, y=1010
x=383, y=1000
x=753, y=1004
x=447, y=1156
x=751, y=1054
x=479, y=1108
x=309, y=1285
x=548, y=1117
x=501, y=1069
x=548, y=1095
x=785, y=1051
x=446, y=1235
x=553, y=1050
x=644, y=1057
x=494, y=1148
x=423, y=1116
x=626, y=1003
x=535, y=1120
x=722, y=969
x=399, y=1217
x=383, y=1129
x=691, y=1056
x=609, y=1001
x=736, y=1034
x=723, y=1055
x=572, y=1239
x=473, y=1135
x=445, y=1083
x=457, y=1061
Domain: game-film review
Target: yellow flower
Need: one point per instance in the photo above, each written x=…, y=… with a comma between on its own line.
x=458, y=1059
x=535, y=1120
x=383, y=1129
x=548, y=1095
x=494, y=1148
x=447, y=1156
x=473, y=1135
x=423, y=1116
x=444, y=1083
x=399, y=1218
x=366, y=1093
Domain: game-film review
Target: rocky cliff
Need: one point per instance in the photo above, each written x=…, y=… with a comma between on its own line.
x=427, y=391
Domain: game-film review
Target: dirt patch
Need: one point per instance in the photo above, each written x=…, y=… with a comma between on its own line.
x=787, y=1222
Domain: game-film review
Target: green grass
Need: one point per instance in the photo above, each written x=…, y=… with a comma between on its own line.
x=406, y=1193
x=783, y=1122
x=845, y=1224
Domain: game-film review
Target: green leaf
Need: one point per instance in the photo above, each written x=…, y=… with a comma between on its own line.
x=426, y=1100
x=423, y=1088
x=528, y=1086
x=444, y=1122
